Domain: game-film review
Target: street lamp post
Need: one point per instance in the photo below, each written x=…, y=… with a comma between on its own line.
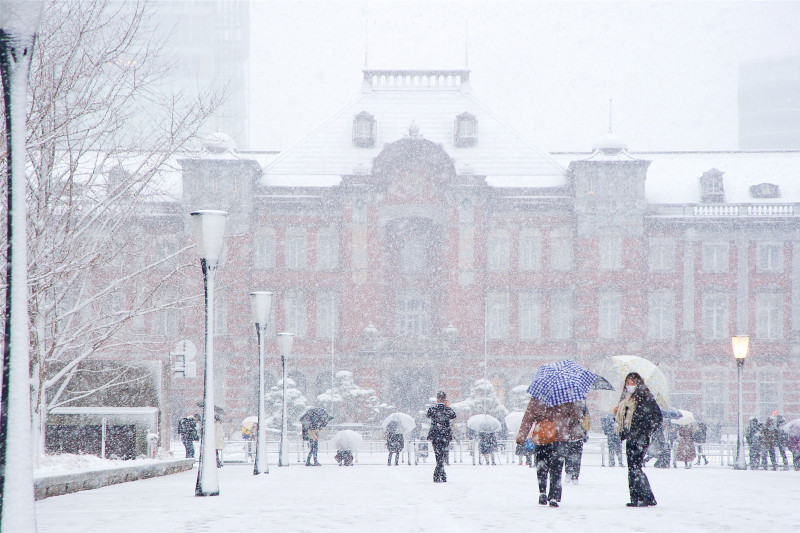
x=285, y=341
x=19, y=24
x=261, y=302
x=740, y=344
x=209, y=230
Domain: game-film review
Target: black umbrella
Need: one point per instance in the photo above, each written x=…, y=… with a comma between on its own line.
x=601, y=383
x=315, y=418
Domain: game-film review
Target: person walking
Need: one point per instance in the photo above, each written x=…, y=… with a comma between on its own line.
x=440, y=433
x=637, y=417
x=312, y=436
x=187, y=429
x=793, y=443
x=394, y=442
x=768, y=437
x=612, y=440
x=219, y=439
x=699, y=437
x=574, y=448
x=550, y=457
x=752, y=437
x=487, y=445
x=782, y=439
x=685, y=451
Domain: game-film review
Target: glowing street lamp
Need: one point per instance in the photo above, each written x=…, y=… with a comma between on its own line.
x=285, y=341
x=261, y=302
x=209, y=231
x=740, y=344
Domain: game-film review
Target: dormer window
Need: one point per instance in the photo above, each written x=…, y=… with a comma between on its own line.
x=466, y=130
x=364, y=130
x=711, y=187
x=765, y=190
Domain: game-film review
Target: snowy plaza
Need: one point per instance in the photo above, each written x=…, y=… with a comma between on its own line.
x=373, y=497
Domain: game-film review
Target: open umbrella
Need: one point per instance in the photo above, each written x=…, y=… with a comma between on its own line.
x=601, y=383
x=513, y=421
x=561, y=382
x=347, y=440
x=403, y=423
x=685, y=419
x=484, y=423
x=793, y=427
x=315, y=418
x=250, y=423
x=653, y=377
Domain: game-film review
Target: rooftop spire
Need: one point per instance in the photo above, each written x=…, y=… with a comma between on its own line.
x=466, y=43
x=610, y=105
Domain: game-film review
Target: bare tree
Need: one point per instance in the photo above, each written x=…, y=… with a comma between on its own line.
x=104, y=132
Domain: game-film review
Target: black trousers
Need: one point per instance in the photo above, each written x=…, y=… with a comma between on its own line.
x=638, y=484
x=189, y=445
x=572, y=459
x=440, y=450
x=550, y=462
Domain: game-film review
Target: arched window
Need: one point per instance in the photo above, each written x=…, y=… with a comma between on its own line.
x=466, y=130
x=364, y=130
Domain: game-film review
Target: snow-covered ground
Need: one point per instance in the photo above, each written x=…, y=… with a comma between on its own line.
x=371, y=497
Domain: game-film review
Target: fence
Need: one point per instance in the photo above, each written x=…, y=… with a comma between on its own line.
x=415, y=452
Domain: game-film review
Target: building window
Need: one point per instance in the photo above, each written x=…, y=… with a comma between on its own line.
x=711, y=187
x=296, y=249
x=165, y=322
x=770, y=257
x=327, y=250
x=715, y=315
x=765, y=190
x=327, y=314
x=166, y=246
x=264, y=251
x=610, y=247
x=466, y=130
x=609, y=315
x=561, y=250
x=497, y=316
x=413, y=315
x=295, y=313
x=661, y=255
x=661, y=315
x=561, y=315
x=769, y=315
x=498, y=251
x=530, y=252
x=530, y=315
x=414, y=254
x=364, y=130
x=769, y=393
x=716, y=257
x=714, y=392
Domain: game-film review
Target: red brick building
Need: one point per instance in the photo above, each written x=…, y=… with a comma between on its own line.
x=418, y=241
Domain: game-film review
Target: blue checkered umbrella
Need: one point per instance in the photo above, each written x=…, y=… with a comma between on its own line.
x=561, y=382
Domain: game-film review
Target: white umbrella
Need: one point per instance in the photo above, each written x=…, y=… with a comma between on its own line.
x=685, y=419
x=653, y=377
x=484, y=423
x=348, y=440
x=513, y=421
x=249, y=423
x=404, y=423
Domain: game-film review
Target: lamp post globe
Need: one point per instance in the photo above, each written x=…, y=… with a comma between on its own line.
x=261, y=303
x=209, y=232
x=285, y=342
x=739, y=345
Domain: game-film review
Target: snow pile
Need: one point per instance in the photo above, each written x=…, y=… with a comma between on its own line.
x=69, y=463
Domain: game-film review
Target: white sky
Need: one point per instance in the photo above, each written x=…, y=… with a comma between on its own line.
x=547, y=68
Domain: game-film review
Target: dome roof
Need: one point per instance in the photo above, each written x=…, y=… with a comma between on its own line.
x=218, y=143
x=610, y=144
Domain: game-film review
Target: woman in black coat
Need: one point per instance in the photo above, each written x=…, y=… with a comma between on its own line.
x=394, y=442
x=638, y=416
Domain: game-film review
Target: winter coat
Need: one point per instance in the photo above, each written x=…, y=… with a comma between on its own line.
x=566, y=417
x=647, y=416
x=700, y=434
x=768, y=436
x=685, y=451
x=187, y=429
x=219, y=435
x=440, y=432
x=793, y=443
x=608, y=425
x=395, y=442
x=752, y=433
x=487, y=442
x=313, y=434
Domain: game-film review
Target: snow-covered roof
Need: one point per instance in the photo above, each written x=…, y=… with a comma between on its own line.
x=673, y=177
x=430, y=101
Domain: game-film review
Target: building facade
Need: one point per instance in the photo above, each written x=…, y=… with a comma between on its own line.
x=417, y=241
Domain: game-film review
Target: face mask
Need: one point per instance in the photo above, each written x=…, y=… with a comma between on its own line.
x=630, y=388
